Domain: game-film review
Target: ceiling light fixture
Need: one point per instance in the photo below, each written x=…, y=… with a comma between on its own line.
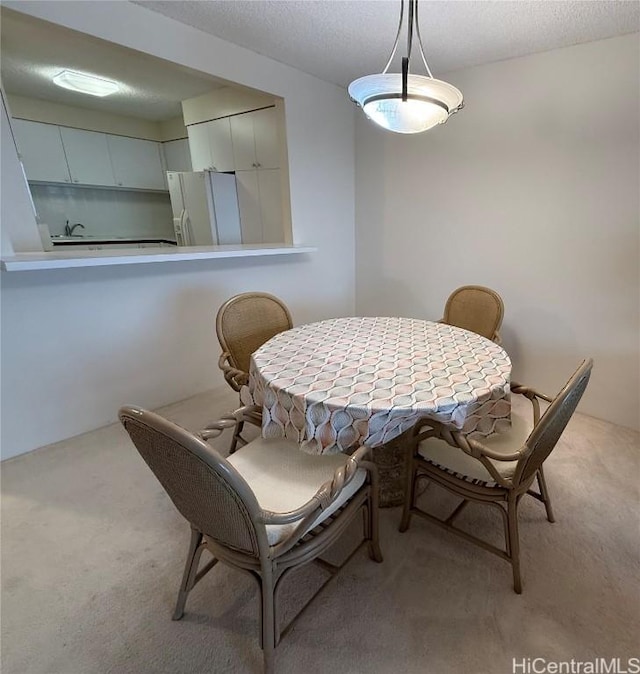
x=86, y=84
x=403, y=102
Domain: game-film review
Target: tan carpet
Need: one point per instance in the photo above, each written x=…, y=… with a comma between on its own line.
x=92, y=555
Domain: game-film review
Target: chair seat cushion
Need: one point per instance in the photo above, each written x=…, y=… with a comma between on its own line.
x=283, y=478
x=456, y=462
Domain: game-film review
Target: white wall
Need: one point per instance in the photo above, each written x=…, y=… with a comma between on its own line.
x=533, y=190
x=78, y=343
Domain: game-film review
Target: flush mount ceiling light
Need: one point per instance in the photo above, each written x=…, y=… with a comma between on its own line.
x=86, y=84
x=403, y=102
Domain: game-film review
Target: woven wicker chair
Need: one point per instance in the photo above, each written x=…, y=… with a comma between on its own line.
x=267, y=509
x=243, y=324
x=498, y=471
x=477, y=309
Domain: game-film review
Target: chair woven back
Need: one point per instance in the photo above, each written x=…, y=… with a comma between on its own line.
x=475, y=308
x=548, y=430
x=204, y=487
x=245, y=322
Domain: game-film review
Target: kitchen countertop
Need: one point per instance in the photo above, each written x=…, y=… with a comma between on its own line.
x=65, y=259
x=97, y=240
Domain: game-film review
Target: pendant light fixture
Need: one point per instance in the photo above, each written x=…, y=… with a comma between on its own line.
x=404, y=102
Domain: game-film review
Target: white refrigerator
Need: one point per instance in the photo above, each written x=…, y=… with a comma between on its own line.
x=205, y=208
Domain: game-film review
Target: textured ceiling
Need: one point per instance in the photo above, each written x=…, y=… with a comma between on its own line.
x=336, y=40
x=340, y=40
x=33, y=51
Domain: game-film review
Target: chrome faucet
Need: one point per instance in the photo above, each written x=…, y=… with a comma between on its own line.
x=69, y=230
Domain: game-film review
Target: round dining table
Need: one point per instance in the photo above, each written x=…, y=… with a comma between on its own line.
x=343, y=382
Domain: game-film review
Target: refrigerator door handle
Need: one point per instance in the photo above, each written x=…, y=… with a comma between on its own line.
x=186, y=229
x=177, y=228
x=181, y=228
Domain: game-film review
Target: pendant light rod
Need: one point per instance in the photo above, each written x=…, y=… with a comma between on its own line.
x=410, y=29
x=405, y=60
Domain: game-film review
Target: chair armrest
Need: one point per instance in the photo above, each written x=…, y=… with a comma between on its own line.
x=213, y=430
x=533, y=396
x=529, y=392
x=484, y=454
x=458, y=440
x=326, y=494
x=250, y=413
x=478, y=450
x=234, y=377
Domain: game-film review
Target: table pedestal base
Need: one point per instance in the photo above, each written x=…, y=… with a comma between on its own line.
x=391, y=460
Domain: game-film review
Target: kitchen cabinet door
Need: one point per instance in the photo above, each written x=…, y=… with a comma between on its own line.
x=267, y=142
x=199, y=147
x=210, y=145
x=88, y=157
x=220, y=143
x=255, y=140
x=136, y=163
x=176, y=155
x=244, y=147
x=270, y=191
x=260, y=201
x=41, y=150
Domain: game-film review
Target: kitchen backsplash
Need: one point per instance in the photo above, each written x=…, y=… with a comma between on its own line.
x=104, y=212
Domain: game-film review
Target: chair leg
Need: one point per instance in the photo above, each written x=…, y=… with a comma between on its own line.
x=513, y=542
x=190, y=571
x=372, y=516
x=544, y=492
x=267, y=598
x=409, y=494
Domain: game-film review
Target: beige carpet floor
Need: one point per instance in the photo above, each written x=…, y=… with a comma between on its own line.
x=93, y=550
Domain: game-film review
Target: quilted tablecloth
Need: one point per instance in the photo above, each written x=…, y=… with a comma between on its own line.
x=338, y=383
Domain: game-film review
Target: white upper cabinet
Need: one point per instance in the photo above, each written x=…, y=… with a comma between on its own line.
x=255, y=140
x=51, y=153
x=199, y=147
x=176, y=155
x=40, y=147
x=265, y=133
x=244, y=149
x=136, y=163
x=87, y=157
x=221, y=147
x=210, y=145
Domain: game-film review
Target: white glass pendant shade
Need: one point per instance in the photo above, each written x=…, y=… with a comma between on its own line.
x=429, y=101
x=404, y=102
